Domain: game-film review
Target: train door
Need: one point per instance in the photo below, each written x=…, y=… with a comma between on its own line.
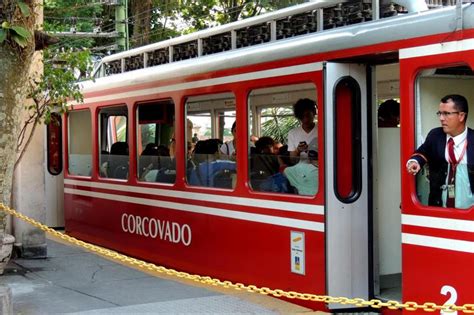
x=437, y=241
x=347, y=193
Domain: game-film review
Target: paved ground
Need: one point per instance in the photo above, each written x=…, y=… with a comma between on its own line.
x=72, y=281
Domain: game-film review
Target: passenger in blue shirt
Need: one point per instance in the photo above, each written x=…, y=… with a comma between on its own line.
x=208, y=169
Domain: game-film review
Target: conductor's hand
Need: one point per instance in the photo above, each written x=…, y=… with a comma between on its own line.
x=413, y=167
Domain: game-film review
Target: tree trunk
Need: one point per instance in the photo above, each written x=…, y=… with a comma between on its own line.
x=14, y=72
x=141, y=20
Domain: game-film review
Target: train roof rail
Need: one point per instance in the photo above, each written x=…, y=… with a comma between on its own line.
x=294, y=21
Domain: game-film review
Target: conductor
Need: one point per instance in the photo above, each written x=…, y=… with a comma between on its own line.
x=449, y=152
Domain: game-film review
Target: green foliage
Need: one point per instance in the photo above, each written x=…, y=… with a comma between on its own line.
x=278, y=122
x=15, y=33
x=151, y=20
x=58, y=18
x=58, y=83
x=207, y=13
x=3, y=35
x=148, y=134
x=20, y=31
x=25, y=10
x=51, y=90
x=173, y=18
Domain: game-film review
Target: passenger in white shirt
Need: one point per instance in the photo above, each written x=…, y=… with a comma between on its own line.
x=304, y=138
x=227, y=150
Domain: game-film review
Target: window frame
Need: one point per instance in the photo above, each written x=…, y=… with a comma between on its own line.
x=355, y=135
x=214, y=117
x=153, y=102
x=56, y=130
x=254, y=116
x=69, y=137
x=99, y=139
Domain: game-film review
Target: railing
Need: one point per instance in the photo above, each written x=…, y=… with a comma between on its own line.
x=298, y=20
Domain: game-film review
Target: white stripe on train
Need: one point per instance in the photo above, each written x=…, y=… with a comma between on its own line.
x=249, y=202
x=438, y=242
x=260, y=218
x=437, y=49
x=438, y=223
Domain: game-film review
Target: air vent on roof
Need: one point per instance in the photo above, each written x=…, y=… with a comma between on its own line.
x=347, y=13
x=217, y=43
x=440, y=3
x=134, y=62
x=185, y=51
x=388, y=9
x=300, y=20
x=113, y=67
x=253, y=35
x=297, y=24
x=158, y=57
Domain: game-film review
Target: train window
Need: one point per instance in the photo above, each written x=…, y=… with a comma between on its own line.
x=201, y=125
x=283, y=143
x=347, y=123
x=113, y=142
x=80, y=143
x=210, y=143
x=432, y=85
x=54, y=143
x=154, y=139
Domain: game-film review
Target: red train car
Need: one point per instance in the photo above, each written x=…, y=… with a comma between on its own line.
x=363, y=229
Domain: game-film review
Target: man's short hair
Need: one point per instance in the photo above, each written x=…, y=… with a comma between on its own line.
x=303, y=105
x=460, y=102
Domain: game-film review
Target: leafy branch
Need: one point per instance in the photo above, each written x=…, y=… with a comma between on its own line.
x=51, y=91
x=15, y=33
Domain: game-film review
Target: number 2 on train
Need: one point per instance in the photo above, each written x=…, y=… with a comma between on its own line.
x=445, y=290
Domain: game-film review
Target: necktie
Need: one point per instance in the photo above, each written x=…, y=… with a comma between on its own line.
x=452, y=168
x=451, y=154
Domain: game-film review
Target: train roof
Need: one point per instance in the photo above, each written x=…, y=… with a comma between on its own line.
x=401, y=27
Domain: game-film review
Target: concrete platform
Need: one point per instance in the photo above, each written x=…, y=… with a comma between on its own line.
x=73, y=281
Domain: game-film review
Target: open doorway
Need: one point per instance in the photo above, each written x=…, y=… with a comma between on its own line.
x=387, y=184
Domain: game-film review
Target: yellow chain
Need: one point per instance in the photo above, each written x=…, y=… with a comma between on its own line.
x=374, y=303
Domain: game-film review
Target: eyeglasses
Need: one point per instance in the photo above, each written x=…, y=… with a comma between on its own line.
x=446, y=114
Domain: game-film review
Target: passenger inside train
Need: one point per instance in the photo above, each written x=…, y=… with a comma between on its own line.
x=278, y=117
x=155, y=164
x=227, y=150
x=117, y=165
x=283, y=158
x=389, y=114
x=305, y=137
x=209, y=170
x=286, y=118
x=301, y=175
x=271, y=119
x=264, y=165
